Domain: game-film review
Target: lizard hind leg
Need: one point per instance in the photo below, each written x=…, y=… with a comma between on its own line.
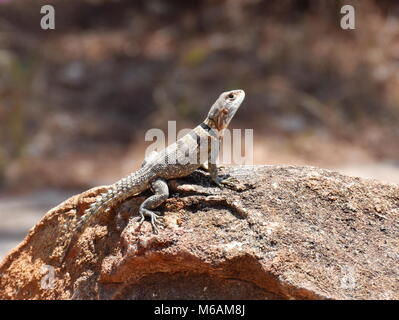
x=161, y=193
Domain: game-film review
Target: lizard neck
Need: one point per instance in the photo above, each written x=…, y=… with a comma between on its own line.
x=211, y=125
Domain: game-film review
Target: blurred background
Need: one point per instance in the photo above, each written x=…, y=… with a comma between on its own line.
x=75, y=102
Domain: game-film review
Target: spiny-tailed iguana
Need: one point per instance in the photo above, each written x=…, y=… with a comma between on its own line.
x=178, y=160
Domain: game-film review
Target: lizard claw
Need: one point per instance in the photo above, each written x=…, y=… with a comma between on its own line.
x=218, y=182
x=140, y=219
x=154, y=220
x=230, y=181
x=154, y=215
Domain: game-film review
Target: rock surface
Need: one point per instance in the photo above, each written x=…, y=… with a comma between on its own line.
x=282, y=232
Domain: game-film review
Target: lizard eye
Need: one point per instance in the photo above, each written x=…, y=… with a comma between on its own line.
x=230, y=96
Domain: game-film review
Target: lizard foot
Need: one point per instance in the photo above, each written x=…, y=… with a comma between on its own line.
x=229, y=182
x=154, y=215
x=205, y=167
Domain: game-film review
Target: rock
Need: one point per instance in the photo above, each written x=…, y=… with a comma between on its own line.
x=281, y=232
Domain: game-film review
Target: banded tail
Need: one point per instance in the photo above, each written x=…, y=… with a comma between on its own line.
x=133, y=184
x=126, y=187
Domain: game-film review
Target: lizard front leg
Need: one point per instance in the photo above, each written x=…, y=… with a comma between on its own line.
x=161, y=193
x=212, y=168
x=213, y=172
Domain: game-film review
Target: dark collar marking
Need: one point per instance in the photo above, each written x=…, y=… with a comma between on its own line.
x=205, y=126
x=208, y=129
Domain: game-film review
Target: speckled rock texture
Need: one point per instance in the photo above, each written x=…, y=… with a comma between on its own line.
x=281, y=232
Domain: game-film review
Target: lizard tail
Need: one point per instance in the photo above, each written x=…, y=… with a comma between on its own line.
x=116, y=193
x=133, y=184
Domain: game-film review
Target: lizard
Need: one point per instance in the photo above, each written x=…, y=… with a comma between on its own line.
x=199, y=146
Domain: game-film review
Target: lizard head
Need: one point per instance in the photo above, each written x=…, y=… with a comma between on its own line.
x=224, y=109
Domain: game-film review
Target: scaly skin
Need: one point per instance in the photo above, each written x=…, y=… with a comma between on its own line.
x=180, y=159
